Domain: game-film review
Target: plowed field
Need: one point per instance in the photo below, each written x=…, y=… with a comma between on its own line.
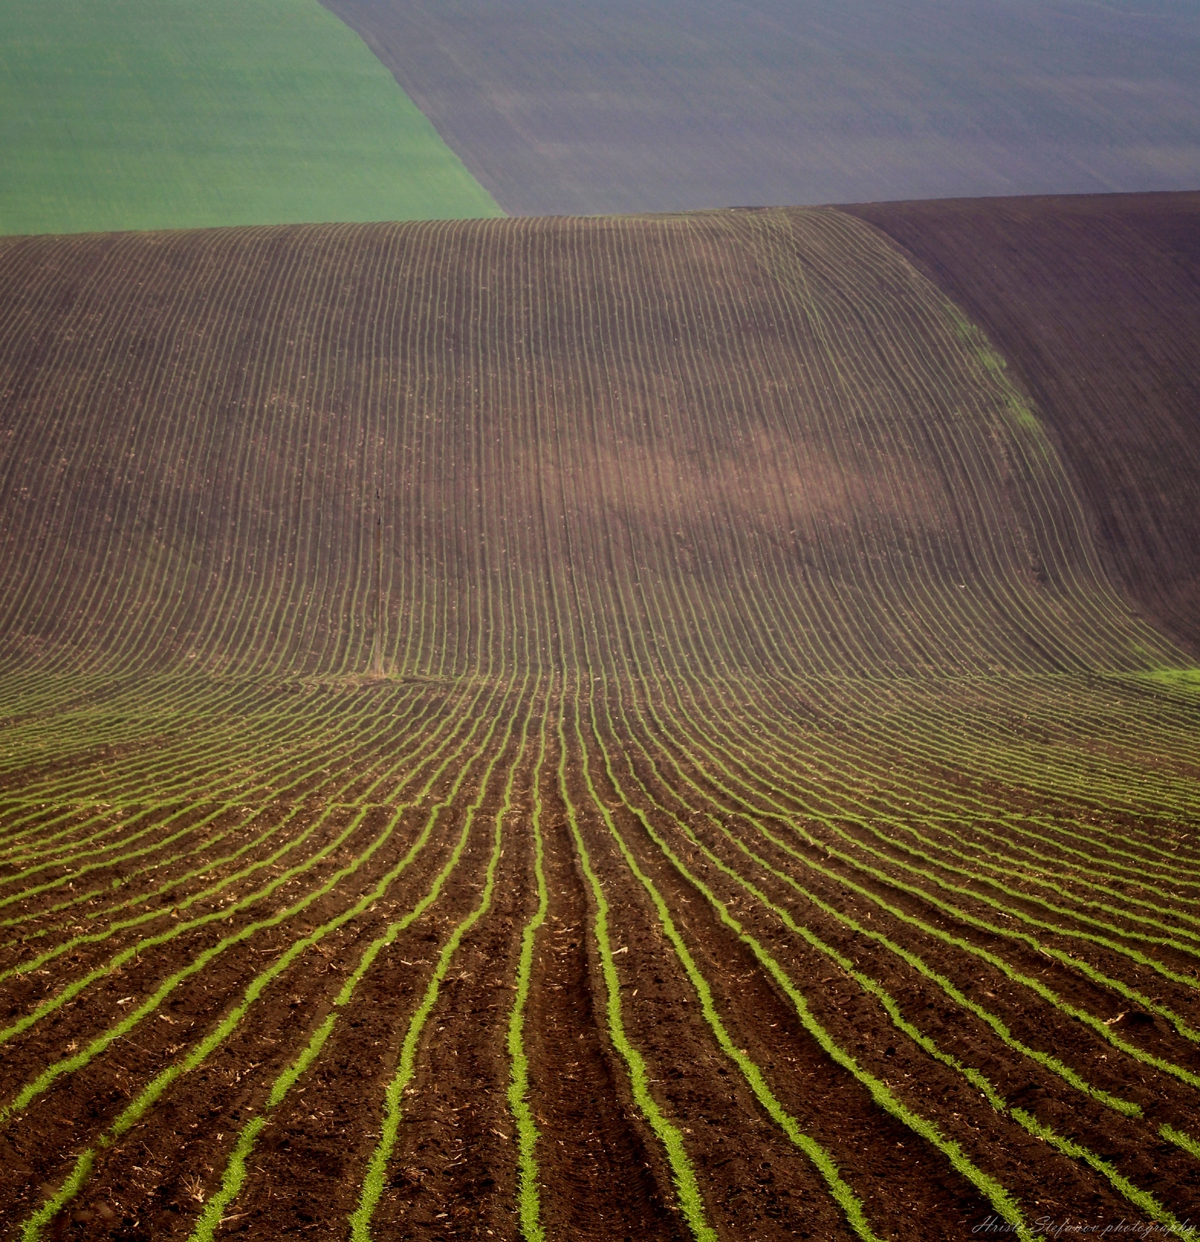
x=1095, y=300
x=621, y=106
x=570, y=729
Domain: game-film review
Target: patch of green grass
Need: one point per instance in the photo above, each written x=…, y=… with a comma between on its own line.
x=154, y=114
x=1177, y=678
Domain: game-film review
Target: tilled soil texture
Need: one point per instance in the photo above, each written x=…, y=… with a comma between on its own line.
x=1095, y=303
x=570, y=729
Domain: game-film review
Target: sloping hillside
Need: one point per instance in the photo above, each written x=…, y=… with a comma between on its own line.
x=570, y=729
x=757, y=440
x=1095, y=301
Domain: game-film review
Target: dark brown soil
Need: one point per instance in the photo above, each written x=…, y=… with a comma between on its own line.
x=1095, y=303
x=310, y=531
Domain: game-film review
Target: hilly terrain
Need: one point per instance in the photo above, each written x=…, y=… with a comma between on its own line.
x=1096, y=299
x=653, y=727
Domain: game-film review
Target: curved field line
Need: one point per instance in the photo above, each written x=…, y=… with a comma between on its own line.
x=850, y=1204
x=1138, y=1197
x=70, y=1064
x=234, y=1176
x=767, y=794
x=146, y=1099
x=373, y=1179
x=212, y=890
x=999, y=1027
x=793, y=826
x=683, y=1172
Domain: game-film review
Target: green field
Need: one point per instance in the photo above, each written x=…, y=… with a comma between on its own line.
x=154, y=114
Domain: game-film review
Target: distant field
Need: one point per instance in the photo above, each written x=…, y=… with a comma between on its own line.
x=573, y=729
x=152, y=114
x=565, y=107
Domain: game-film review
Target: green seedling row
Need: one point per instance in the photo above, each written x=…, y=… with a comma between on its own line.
x=307, y=531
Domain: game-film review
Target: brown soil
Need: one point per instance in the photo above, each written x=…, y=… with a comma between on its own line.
x=1095, y=303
